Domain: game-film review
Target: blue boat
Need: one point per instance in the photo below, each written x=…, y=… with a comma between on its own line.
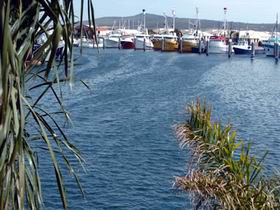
x=243, y=48
x=269, y=45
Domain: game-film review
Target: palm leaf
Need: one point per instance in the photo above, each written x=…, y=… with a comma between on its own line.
x=22, y=22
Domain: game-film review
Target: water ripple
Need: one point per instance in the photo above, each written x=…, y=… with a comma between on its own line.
x=123, y=125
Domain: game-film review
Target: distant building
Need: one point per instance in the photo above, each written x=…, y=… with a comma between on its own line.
x=254, y=35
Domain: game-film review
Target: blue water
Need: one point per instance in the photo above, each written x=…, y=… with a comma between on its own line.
x=123, y=125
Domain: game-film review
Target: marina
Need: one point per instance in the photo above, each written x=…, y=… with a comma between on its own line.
x=142, y=83
x=224, y=41
x=142, y=79
x=161, y=110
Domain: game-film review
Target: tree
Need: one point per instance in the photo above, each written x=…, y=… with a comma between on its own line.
x=22, y=22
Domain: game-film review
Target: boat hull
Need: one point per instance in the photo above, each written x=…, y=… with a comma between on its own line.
x=141, y=44
x=58, y=54
x=217, y=48
x=127, y=45
x=190, y=46
x=90, y=43
x=99, y=44
x=157, y=44
x=111, y=43
x=248, y=51
x=196, y=50
x=240, y=51
x=269, y=50
x=169, y=46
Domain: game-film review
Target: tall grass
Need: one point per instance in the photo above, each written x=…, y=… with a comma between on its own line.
x=222, y=173
x=21, y=23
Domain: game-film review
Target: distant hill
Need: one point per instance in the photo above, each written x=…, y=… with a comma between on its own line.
x=155, y=21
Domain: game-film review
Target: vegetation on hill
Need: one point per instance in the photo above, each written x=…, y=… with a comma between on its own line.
x=156, y=21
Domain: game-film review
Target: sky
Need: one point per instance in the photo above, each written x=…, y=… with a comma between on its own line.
x=248, y=11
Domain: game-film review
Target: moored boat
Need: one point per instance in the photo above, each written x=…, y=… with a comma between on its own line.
x=112, y=40
x=170, y=43
x=269, y=46
x=168, y=40
x=157, y=40
x=76, y=42
x=99, y=43
x=217, y=44
x=42, y=40
x=88, y=43
x=190, y=44
x=127, y=42
x=59, y=52
x=165, y=42
x=243, y=48
x=143, y=41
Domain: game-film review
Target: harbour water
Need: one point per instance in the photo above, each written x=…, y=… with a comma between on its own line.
x=123, y=125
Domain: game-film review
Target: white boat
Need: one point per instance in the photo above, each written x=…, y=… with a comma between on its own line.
x=88, y=43
x=143, y=41
x=59, y=51
x=112, y=40
x=76, y=42
x=217, y=44
x=84, y=42
x=100, y=43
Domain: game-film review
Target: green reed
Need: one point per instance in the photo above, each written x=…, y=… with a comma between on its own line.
x=222, y=173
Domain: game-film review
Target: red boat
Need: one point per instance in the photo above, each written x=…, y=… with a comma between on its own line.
x=127, y=42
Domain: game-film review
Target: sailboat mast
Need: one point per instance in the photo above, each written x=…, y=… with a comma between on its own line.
x=174, y=19
x=133, y=24
x=114, y=24
x=276, y=29
x=197, y=20
x=144, y=17
x=165, y=22
x=225, y=20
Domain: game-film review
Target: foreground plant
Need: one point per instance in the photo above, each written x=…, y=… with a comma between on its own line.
x=222, y=174
x=22, y=119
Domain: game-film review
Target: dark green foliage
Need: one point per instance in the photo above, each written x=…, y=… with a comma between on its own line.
x=21, y=23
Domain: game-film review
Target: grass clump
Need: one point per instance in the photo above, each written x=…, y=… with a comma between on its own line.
x=222, y=173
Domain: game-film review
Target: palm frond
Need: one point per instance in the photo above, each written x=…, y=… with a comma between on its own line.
x=22, y=22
